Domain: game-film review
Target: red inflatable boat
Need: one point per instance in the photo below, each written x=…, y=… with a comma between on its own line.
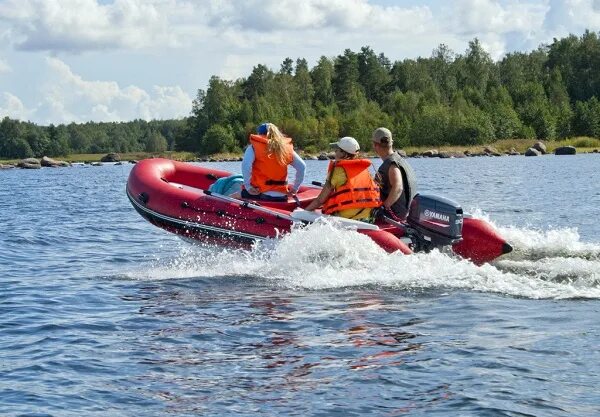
x=175, y=196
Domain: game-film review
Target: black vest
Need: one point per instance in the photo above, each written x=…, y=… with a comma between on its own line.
x=409, y=183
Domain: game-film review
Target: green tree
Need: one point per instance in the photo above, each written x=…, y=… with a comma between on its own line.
x=287, y=66
x=346, y=88
x=218, y=139
x=38, y=140
x=477, y=69
x=578, y=60
x=156, y=142
x=431, y=126
x=304, y=93
x=256, y=84
x=560, y=106
x=58, y=141
x=505, y=120
x=586, y=120
x=469, y=125
x=443, y=72
x=11, y=142
x=372, y=74
x=221, y=103
x=322, y=79
x=534, y=110
x=359, y=123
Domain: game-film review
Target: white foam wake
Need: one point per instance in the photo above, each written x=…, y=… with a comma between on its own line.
x=322, y=256
x=531, y=244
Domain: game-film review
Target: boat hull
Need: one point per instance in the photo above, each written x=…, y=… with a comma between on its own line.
x=173, y=195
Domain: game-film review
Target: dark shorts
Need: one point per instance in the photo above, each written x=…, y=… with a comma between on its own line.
x=261, y=196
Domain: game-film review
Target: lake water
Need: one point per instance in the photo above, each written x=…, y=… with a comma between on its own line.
x=103, y=314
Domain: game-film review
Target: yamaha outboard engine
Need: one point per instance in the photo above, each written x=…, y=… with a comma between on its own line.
x=437, y=221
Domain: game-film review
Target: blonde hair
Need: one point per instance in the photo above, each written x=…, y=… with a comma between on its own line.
x=276, y=144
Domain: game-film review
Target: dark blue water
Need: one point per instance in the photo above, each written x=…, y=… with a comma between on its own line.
x=102, y=314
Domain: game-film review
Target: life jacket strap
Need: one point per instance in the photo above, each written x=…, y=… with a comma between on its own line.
x=332, y=207
x=347, y=190
x=275, y=182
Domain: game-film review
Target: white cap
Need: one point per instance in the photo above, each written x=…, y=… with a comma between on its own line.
x=347, y=144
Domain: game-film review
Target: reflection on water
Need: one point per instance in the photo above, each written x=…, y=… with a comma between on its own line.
x=271, y=343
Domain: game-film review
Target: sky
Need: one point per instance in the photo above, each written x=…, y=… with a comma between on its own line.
x=64, y=61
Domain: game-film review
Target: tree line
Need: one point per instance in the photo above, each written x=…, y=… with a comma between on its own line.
x=446, y=99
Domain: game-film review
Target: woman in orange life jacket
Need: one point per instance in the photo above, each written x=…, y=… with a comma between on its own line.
x=349, y=191
x=265, y=165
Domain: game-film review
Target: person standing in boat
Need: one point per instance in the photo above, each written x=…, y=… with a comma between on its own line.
x=349, y=190
x=395, y=176
x=265, y=165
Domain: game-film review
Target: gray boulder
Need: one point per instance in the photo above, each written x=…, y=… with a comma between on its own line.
x=6, y=166
x=111, y=157
x=401, y=152
x=489, y=150
x=432, y=153
x=540, y=146
x=532, y=152
x=30, y=163
x=565, y=150
x=444, y=155
x=49, y=162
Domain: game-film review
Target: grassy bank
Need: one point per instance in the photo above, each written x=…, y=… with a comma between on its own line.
x=583, y=144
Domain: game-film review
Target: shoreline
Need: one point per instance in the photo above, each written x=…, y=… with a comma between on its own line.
x=498, y=148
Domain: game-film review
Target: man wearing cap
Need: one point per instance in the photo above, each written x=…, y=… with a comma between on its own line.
x=395, y=176
x=349, y=191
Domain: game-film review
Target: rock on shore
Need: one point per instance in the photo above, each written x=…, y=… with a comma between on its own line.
x=49, y=162
x=111, y=157
x=30, y=163
x=532, y=152
x=565, y=150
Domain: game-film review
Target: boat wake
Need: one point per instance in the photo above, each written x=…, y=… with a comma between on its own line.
x=544, y=265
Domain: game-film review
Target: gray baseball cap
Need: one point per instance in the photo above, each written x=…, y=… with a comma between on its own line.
x=381, y=133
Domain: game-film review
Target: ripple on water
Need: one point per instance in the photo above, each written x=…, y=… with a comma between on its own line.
x=102, y=314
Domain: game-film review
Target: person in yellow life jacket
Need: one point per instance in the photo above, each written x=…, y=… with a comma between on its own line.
x=265, y=165
x=349, y=191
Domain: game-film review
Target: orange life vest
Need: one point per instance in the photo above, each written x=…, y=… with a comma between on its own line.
x=359, y=191
x=267, y=173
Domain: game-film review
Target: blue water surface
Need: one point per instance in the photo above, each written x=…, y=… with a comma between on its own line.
x=103, y=314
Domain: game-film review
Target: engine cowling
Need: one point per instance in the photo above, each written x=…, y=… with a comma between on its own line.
x=438, y=219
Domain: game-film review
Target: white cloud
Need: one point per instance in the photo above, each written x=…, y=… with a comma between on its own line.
x=4, y=67
x=476, y=17
x=86, y=25
x=285, y=15
x=582, y=14
x=79, y=25
x=68, y=97
x=12, y=106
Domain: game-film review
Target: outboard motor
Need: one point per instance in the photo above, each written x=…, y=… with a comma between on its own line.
x=437, y=221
